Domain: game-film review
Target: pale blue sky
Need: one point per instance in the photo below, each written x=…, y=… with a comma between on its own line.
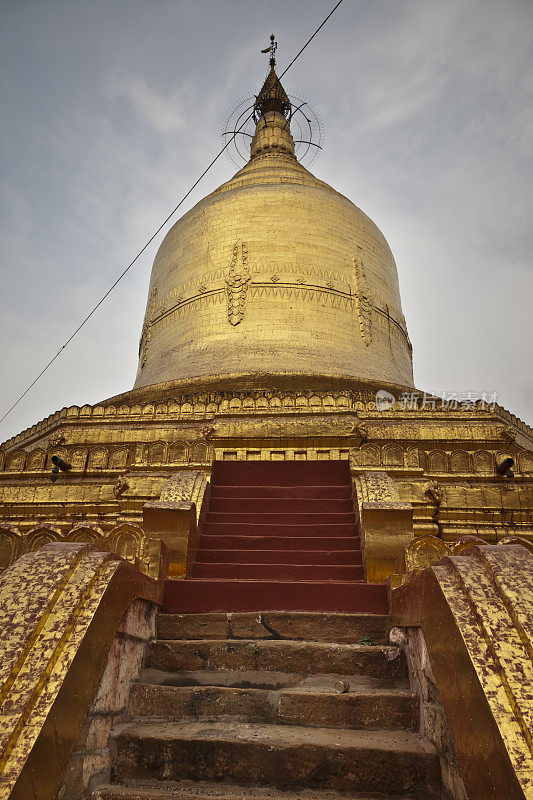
x=110, y=110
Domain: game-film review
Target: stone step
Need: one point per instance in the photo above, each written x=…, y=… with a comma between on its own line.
x=280, y=528
x=348, y=628
x=270, y=680
x=367, y=709
x=192, y=790
x=341, y=492
x=276, y=542
x=279, y=556
x=282, y=572
x=379, y=661
x=194, y=595
x=286, y=757
x=280, y=505
x=308, y=706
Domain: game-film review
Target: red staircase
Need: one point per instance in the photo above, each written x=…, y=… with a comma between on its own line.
x=278, y=536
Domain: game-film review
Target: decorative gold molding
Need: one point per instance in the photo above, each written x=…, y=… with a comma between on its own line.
x=329, y=294
x=386, y=525
x=174, y=518
x=146, y=332
x=124, y=540
x=363, y=301
x=121, y=484
x=237, y=283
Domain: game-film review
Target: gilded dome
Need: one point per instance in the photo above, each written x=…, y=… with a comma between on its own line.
x=274, y=273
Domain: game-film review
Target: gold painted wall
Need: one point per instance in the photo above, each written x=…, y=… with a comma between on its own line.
x=123, y=454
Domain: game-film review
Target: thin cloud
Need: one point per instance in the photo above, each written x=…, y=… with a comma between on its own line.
x=165, y=114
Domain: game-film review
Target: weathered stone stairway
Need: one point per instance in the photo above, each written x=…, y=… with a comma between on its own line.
x=244, y=705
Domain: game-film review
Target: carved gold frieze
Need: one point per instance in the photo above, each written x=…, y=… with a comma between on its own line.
x=451, y=423
x=364, y=304
x=154, y=438
x=237, y=281
x=301, y=453
x=126, y=540
x=216, y=278
x=327, y=287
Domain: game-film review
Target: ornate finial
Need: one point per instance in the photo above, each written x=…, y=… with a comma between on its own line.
x=272, y=96
x=273, y=46
x=272, y=114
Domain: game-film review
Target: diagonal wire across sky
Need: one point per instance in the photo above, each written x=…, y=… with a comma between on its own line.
x=160, y=228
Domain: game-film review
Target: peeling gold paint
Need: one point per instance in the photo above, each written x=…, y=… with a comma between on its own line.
x=60, y=609
x=476, y=611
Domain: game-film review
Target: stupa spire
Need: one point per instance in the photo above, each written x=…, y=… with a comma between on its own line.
x=272, y=111
x=272, y=96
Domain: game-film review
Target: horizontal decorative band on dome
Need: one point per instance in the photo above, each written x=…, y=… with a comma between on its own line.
x=298, y=268
x=326, y=295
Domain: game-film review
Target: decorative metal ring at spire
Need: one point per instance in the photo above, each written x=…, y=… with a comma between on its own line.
x=306, y=127
x=271, y=105
x=272, y=97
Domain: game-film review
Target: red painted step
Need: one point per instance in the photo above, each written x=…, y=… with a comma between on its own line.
x=264, y=529
x=194, y=596
x=280, y=505
x=283, y=492
x=286, y=518
x=279, y=572
x=278, y=536
x=229, y=542
x=279, y=556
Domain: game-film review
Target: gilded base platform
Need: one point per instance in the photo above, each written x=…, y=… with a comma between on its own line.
x=439, y=466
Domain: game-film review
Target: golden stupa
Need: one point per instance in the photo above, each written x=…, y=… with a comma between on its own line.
x=273, y=340
x=274, y=273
